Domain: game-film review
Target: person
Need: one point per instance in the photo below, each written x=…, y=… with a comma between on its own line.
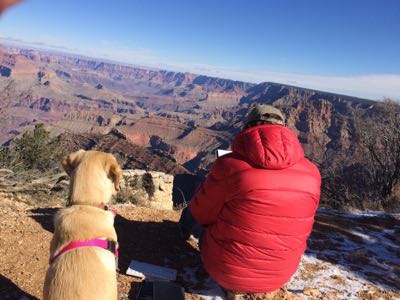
x=256, y=207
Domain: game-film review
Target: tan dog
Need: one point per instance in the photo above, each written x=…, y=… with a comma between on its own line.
x=85, y=271
x=95, y=177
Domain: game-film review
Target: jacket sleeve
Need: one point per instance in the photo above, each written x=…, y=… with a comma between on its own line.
x=209, y=199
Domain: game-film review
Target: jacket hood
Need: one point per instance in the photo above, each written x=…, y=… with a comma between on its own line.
x=269, y=146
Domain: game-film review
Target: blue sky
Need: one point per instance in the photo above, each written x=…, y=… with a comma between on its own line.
x=344, y=46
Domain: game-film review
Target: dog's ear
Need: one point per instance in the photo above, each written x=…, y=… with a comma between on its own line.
x=114, y=171
x=71, y=161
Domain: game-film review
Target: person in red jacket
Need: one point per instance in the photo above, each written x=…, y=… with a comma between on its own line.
x=257, y=206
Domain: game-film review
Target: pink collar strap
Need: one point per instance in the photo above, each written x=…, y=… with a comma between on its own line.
x=110, y=245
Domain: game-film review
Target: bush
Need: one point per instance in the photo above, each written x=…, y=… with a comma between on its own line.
x=35, y=150
x=369, y=178
x=7, y=157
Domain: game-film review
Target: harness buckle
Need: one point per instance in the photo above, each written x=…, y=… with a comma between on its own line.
x=112, y=246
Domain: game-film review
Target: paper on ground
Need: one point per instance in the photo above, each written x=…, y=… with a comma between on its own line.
x=145, y=270
x=221, y=152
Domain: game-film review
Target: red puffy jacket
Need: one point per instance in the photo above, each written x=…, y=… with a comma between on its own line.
x=258, y=203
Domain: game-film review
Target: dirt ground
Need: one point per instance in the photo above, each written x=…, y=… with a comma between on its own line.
x=26, y=232
x=152, y=236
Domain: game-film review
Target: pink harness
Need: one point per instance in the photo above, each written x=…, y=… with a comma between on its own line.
x=105, y=244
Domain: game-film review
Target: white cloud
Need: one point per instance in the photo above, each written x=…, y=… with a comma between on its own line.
x=374, y=86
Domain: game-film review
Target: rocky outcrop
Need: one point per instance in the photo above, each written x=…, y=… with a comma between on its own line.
x=5, y=71
x=184, y=143
x=147, y=188
x=183, y=117
x=63, y=74
x=34, y=187
x=130, y=156
x=157, y=143
x=323, y=121
x=144, y=188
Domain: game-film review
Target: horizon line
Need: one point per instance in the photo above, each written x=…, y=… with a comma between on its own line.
x=217, y=72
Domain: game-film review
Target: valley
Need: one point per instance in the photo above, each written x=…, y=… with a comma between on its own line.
x=184, y=115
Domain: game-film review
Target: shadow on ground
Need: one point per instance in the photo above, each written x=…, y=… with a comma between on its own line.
x=10, y=291
x=44, y=216
x=148, y=241
x=152, y=242
x=159, y=243
x=363, y=245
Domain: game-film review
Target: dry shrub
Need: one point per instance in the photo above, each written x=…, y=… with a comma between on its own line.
x=369, y=176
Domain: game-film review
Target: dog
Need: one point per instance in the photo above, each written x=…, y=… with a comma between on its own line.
x=84, y=246
x=95, y=177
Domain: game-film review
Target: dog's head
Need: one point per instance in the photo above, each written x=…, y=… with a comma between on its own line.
x=93, y=174
x=71, y=161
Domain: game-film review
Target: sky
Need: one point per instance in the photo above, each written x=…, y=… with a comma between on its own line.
x=344, y=46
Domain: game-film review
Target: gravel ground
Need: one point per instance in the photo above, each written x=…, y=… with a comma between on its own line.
x=350, y=256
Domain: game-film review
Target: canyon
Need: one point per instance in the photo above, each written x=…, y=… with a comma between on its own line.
x=174, y=116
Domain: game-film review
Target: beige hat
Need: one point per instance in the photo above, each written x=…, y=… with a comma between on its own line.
x=264, y=112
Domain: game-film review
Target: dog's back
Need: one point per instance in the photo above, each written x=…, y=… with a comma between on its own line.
x=84, y=273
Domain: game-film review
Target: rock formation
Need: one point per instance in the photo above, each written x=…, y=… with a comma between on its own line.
x=147, y=188
x=182, y=116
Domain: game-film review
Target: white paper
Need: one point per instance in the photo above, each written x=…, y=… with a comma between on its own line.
x=145, y=270
x=221, y=152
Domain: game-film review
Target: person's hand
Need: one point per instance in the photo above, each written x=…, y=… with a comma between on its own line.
x=4, y=4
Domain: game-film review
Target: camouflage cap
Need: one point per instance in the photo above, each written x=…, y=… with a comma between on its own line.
x=264, y=112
